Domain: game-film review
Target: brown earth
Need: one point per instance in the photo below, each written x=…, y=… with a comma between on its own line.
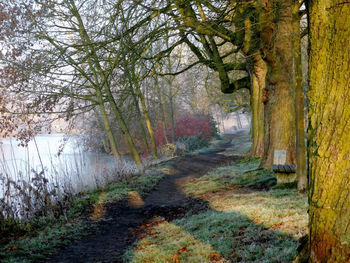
x=123, y=222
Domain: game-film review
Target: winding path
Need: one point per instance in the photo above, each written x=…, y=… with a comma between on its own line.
x=121, y=226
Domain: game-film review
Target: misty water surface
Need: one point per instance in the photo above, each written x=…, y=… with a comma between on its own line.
x=72, y=166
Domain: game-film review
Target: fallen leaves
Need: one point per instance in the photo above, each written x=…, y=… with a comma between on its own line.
x=175, y=258
x=147, y=228
x=183, y=249
x=214, y=257
x=203, y=197
x=13, y=248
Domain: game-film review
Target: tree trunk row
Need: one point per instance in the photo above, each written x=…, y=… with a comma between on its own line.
x=277, y=98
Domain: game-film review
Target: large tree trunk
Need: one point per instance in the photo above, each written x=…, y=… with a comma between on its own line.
x=139, y=117
x=258, y=86
x=108, y=129
x=238, y=120
x=162, y=108
x=257, y=68
x=148, y=124
x=279, y=95
x=172, y=112
x=139, y=97
x=102, y=83
x=301, y=170
x=118, y=114
x=329, y=131
x=105, y=140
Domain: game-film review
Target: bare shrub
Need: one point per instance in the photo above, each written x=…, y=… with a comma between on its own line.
x=167, y=150
x=48, y=192
x=124, y=170
x=24, y=199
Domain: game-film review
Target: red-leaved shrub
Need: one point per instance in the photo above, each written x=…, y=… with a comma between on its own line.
x=186, y=125
x=159, y=135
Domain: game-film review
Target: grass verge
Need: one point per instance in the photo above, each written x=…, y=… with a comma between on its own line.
x=39, y=238
x=249, y=220
x=213, y=146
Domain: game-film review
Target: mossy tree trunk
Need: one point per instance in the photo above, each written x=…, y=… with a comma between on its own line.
x=139, y=98
x=105, y=140
x=162, y=108
x=301, y=170
x=139, y=117
x=329, y=131
x=261, y=27
x=148, y=123
x=96, y=83
x=103, y=85
x=257, y=69
x=125, y=130
x=258, y=77
x=279, y=93
x=172, y=112
x=110, y=135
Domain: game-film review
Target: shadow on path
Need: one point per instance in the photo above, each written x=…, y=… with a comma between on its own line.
x=121, y=226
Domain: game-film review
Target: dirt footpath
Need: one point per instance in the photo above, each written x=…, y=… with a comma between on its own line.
x=121, y=226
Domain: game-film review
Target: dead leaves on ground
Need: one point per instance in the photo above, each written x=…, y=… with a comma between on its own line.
x=176, y=257
x=214, y=257
x=147, y=229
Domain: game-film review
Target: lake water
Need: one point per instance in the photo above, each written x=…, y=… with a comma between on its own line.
x=73, y=166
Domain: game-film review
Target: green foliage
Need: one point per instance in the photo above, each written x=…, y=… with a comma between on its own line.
x=278, y=6
x=241, y=144
x=33, y=241
x=194, y=142
x=214, y=127
x=251, y=13
x=243, y=174
x=292, y=185
x=209, y=235
x=243, y=223
x=167, y=150
x=13, y=227
x=213, y=146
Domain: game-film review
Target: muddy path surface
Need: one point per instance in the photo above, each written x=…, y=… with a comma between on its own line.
x=122, y=225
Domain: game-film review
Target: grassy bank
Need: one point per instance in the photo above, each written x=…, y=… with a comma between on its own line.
x=37, y=239
x=249, y=219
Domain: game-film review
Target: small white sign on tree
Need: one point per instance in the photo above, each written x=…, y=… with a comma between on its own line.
x=279, y=157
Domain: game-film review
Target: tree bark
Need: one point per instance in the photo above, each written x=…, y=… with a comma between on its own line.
x=118, y=114
x=108, y=129
x=329, y=131
x=238, y=120
x=148, y=124
x=101, y=79
x=172, y=111
x=279, y=96
x=257, y=68
x=301, y=170
x=139, y=117
x=258, y=86
x=105, y=141
x=162, y=109
x=140, y=98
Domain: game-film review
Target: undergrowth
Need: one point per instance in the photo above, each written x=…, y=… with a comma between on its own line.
x=242, y=174
x=250, y=219
x=35, y=240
